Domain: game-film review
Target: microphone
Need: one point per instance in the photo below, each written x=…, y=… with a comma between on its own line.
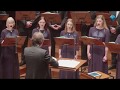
x=112, y=17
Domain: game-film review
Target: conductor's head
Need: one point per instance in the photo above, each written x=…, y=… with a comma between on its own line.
x=37, y=39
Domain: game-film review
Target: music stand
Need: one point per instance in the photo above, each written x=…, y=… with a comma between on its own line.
x=19, y=43
x=113, y=47
x=91, y=41
x=4, y=16
x=65, y=41
x=52, y=17
x=61, y=40
x=80, y=17
x=45, y=43
x=25, y=15
x=8, y=42
x=107, y=18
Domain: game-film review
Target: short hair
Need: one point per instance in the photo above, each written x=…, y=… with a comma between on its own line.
x=10, y=20
x=37, y=38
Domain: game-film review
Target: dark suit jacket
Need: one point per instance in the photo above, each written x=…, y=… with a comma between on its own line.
x=37, y=63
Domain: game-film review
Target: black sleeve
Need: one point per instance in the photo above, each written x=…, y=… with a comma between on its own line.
x=64, y=17
x=36, y=20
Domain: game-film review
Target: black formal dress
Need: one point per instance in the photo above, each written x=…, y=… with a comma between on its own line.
x=9, y=64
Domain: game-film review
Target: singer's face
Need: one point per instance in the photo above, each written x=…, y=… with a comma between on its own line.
x=99, y=22
x=10, y=25
x=42, y=23
x=69, y=25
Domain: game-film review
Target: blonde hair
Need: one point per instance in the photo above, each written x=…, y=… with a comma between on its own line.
x=10, y=20
x=104, y=21
x=73, y=27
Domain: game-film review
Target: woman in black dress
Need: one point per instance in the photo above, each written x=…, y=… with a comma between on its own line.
x=9, y=65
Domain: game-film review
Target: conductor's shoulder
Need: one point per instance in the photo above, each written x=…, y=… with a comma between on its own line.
x=26, y=48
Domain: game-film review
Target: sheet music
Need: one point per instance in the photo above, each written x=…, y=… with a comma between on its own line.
x=94, y=74
x=49, y=13
x=88, y=37
x=63, y=37
x=68, y=63
x=112, y=42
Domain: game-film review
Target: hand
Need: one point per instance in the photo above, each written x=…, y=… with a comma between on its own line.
x=89, y=56
x=76, y=57
x=60, y=56
x=54, y=58
x=55, y=26
x=105, y=59
x=28, y=24
x=59, y=26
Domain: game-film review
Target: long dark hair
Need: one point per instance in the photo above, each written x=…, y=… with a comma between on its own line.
x=46, y=25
